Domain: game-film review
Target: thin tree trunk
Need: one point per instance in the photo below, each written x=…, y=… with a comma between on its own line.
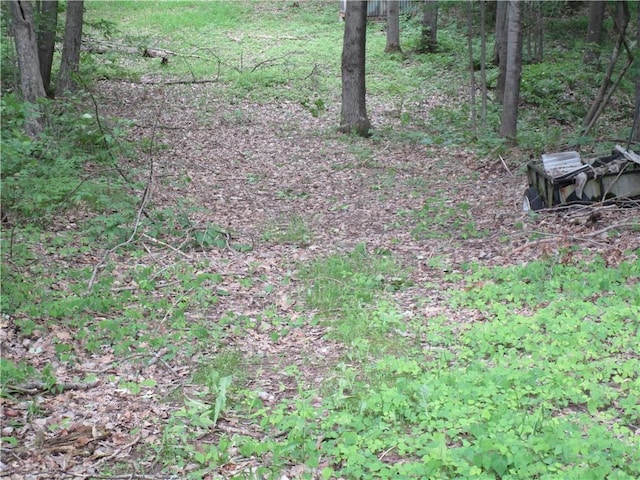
x=509, y=121
x=48, y=20
x=635, y=134
x=429, y=36
x=594, y=30
x=602, y=97
x=354, y=110
x=71, y=47
x=393, y=27
x=31, y=85
x=539, y=50
x=500, y=50
x=534, y=30
x=472, y=76
x=483, y=62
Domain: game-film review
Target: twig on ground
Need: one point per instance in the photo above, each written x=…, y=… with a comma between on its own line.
x=384, y=454
x=554, y=237
x=118, y=451
x=127, y=476
x=615, y=226
x=34, y=387
x=155, y=357
x=505, y=165
x=160, y=242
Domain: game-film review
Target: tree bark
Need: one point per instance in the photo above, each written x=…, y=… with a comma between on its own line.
x=31, y=85
x=393, y=27
x=429, y=36
x=354, y=111
x=594, y=30
x=483, y=61
x=71, y=47
x=509, y=121
x=500, y=49
x=635, y=133
x=47, y=22
x=472, y=75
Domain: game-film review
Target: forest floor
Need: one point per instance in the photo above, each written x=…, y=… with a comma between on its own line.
x=258, y=168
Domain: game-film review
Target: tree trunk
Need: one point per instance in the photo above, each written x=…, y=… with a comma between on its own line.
x=429, y=36
x=71, y=47
x=393, y=27
x=483, y=61
x=354, y=110
x=500, y=49
x=47, y=22
x=594, y=30
x=539, y=33
x=635, y=133
x=509, y=121
x=31, y=85
x=472, y=75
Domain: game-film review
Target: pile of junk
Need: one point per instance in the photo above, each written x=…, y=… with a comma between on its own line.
x=566, y=178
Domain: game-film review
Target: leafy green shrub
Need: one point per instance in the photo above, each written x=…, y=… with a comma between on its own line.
x=42, y=176
x=14, y=374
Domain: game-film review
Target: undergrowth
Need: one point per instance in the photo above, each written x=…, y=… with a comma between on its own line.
x=544, y=385
x=73, y=163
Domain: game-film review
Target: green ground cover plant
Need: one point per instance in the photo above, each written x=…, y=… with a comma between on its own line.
x=440, y=216
x=544, y=386
x=72, y=163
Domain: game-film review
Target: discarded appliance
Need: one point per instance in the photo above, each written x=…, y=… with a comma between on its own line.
x=565, y=178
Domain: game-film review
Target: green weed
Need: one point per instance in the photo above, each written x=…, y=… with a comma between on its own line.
x=342, y=281
x=293, y=229
x=440, y=218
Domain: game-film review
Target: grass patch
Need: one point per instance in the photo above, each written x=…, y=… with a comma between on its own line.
x=293, y=229
x=344, y=281
x=242, y=44
x=440, y=217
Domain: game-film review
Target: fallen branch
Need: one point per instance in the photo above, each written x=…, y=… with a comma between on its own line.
x=585, y=238
x=126, y=476
x=553, y=237
x=159, y=242
x=117, y=452
x=32, y=388
x=615, y=226
x=175, y=82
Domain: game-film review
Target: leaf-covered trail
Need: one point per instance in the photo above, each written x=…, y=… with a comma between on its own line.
x=252, y=169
